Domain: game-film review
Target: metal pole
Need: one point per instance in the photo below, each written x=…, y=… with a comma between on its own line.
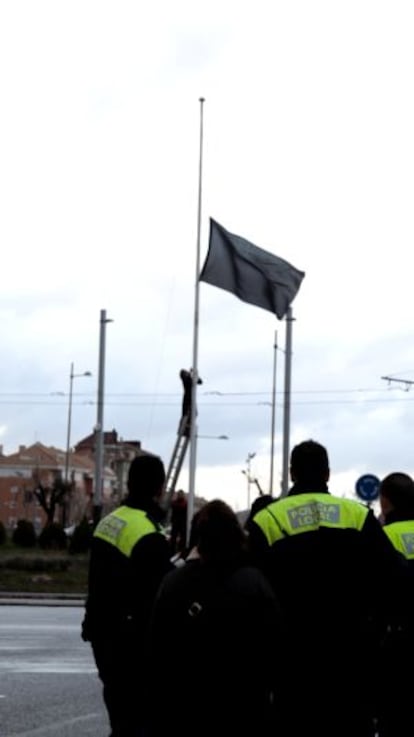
x=249, y=458
x=248, y=481
x=193, y=428
x=66, y=507
x=99, y=432
x=272, y=432
x=286, y=406
x=69, y=424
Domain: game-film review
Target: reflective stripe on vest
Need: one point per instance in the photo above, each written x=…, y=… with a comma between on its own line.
x=124, y=527
x=401, y=535
x=293, y=515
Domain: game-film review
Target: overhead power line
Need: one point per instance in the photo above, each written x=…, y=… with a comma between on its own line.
x=63, y=394
x=42, y=403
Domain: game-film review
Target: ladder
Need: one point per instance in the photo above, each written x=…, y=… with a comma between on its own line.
x=177, y=460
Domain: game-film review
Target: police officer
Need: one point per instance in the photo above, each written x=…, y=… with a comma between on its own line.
x=129, y=557
x=332, y=568
x=187, y=381
x=397, y=511
x=397, y=508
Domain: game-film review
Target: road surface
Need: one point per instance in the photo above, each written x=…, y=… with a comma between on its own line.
x=48, y=681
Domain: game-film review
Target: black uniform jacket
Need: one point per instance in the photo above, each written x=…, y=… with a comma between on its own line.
x=122, y=589
x=397, y=651
x=331, y=572
x=340, y=587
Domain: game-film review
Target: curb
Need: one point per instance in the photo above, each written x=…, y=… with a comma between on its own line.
x=17, y=598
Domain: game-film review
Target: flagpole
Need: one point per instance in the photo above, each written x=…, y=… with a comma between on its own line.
x=272, y=433
x=286, y=405
x=193, y=427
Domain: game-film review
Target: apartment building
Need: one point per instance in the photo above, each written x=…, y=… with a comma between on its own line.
x=21, y=473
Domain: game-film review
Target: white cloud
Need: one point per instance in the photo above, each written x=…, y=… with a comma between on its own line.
x=308, y=152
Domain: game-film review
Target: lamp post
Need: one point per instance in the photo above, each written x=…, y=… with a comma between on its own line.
x=99, y=427
x=249, y=458
x=72, y=376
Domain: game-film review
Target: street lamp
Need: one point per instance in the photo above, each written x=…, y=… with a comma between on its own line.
x=72, y=376
x=214, y=437
x=249, y=458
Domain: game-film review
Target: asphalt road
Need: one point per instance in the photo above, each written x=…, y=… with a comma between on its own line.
x=48, y=681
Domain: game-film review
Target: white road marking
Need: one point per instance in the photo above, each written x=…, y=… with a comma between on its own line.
x=52, y=728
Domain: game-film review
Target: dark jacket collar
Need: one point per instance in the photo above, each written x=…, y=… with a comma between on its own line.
x=149, y=506
x=395, y=516
x=308, y=489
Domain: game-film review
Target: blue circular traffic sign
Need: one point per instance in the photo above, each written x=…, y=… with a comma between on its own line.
x=367, y=487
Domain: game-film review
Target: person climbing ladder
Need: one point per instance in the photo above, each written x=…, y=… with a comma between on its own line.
x=187, y=380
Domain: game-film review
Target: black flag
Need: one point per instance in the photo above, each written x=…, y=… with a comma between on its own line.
x=252, y=274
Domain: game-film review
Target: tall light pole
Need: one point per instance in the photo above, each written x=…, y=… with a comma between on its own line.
x=66, y=503
x=72, y=376
x=99, y=431
x=249, y=458
x=272, y=431
x=286, y=404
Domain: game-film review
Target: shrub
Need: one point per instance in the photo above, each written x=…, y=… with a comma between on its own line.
x=80, y=541
x=53, y=537
x=24, y=534
x=35, y=563
x=3, y=535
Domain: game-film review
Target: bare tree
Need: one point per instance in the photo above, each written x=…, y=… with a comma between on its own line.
x=51, y=496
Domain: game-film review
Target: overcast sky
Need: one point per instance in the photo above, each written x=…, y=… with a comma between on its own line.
x=309, y=153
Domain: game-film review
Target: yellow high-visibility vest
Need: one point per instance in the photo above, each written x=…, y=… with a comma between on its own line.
x=293, y=515
x=401, y=535
x=124, y=527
